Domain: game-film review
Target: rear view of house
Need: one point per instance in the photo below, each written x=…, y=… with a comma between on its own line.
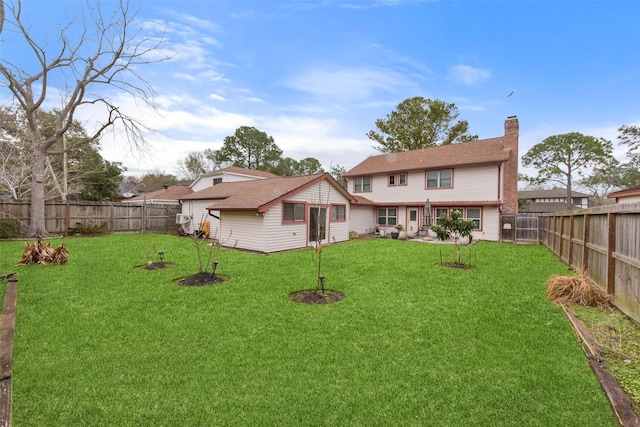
x=414, y=188
x=194, y=205
x=277, y=214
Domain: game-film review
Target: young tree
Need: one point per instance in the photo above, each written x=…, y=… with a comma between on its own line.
x=337, y=172
x=250, y=148
x=419, y=123
x=560, y=158
x=454, y=226
x=100, y=49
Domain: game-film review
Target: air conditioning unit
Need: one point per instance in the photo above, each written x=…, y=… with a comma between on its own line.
x=182, y=219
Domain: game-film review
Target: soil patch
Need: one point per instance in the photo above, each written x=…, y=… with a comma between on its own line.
x=156, y=266
x=201, y=279
x=456, y=265
x=311, y=296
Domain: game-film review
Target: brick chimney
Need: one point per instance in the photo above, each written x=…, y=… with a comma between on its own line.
x=510, y=174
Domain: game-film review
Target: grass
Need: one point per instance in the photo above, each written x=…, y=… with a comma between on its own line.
x=618, y=338
x=413, y=343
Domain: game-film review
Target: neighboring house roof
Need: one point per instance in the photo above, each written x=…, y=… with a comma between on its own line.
x=539, y=207
x=241, y=171
x=553, y=193
x=173, y=193
x=485, y=151
x=260, y=194
x=627, y=192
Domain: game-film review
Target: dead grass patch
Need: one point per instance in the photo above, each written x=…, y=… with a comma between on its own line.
x=577, y=290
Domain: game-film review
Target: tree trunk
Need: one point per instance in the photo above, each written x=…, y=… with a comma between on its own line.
x=38, y=228
x=569, y=193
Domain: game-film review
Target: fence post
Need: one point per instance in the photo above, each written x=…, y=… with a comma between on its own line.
x=611, y=247
x=571, y=226
x=585, y=241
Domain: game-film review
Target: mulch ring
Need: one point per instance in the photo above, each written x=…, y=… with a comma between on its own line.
x=458, y=265
x=155, y=266
x=311, y=296
x=201, y=279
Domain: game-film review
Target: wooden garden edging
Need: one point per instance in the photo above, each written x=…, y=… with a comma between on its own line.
x=620, y=402
x=7, y=332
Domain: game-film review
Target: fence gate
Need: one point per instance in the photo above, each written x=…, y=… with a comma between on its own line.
x=520, y=229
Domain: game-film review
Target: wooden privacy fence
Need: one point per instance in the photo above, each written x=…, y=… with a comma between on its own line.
x=520, y=228
x=60, y=217
x=605, y=241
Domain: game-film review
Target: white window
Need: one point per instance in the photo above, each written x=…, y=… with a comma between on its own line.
x=475, y=214
x=338, y=213
x=362, y=183
x=293, y=212
x=440, y=212
x=387, y=216
x=439, y=178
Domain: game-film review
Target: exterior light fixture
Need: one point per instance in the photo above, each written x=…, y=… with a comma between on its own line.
x=161, y=255
x=321, y=282
x=215, y=266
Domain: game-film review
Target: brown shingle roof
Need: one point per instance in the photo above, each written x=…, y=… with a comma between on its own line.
x=174, y=192
x=552, y=193
x=258, y=194
x=485, y=151
x=631, y=191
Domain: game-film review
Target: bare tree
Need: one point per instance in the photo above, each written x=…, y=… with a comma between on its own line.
x=100, y=50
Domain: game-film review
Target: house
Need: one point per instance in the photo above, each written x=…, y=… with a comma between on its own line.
x=547, y=201
x=277, y=214
x=229, y=174
x=628, y=195
x=194, y=207
x=414, y=188
x=167, y=195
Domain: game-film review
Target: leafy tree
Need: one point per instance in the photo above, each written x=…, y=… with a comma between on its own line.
x=604, y=179
x=419, y=123
x=98, y=50
x=249, y=148
x=454, y=226
x=630, y=136
x=156, y=180
x=560, y=158
x=103, y=184
x=291, y=167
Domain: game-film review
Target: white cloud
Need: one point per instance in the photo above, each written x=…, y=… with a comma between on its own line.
x=467, y=75
x=346, y=83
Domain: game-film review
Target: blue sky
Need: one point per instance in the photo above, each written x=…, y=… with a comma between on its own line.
x=315, y=75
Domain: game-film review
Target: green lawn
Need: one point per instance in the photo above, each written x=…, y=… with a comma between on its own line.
x=99, y=342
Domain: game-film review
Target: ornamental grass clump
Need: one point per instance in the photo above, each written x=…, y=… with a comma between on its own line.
x=576, y=290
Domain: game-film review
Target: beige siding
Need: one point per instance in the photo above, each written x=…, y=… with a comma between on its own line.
x=280, y=237
x=242, y=230
x=490, y=225
x=197, y=211
x=207, y=181
x=362, y=219
x=629, y=199
x=471, y=183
